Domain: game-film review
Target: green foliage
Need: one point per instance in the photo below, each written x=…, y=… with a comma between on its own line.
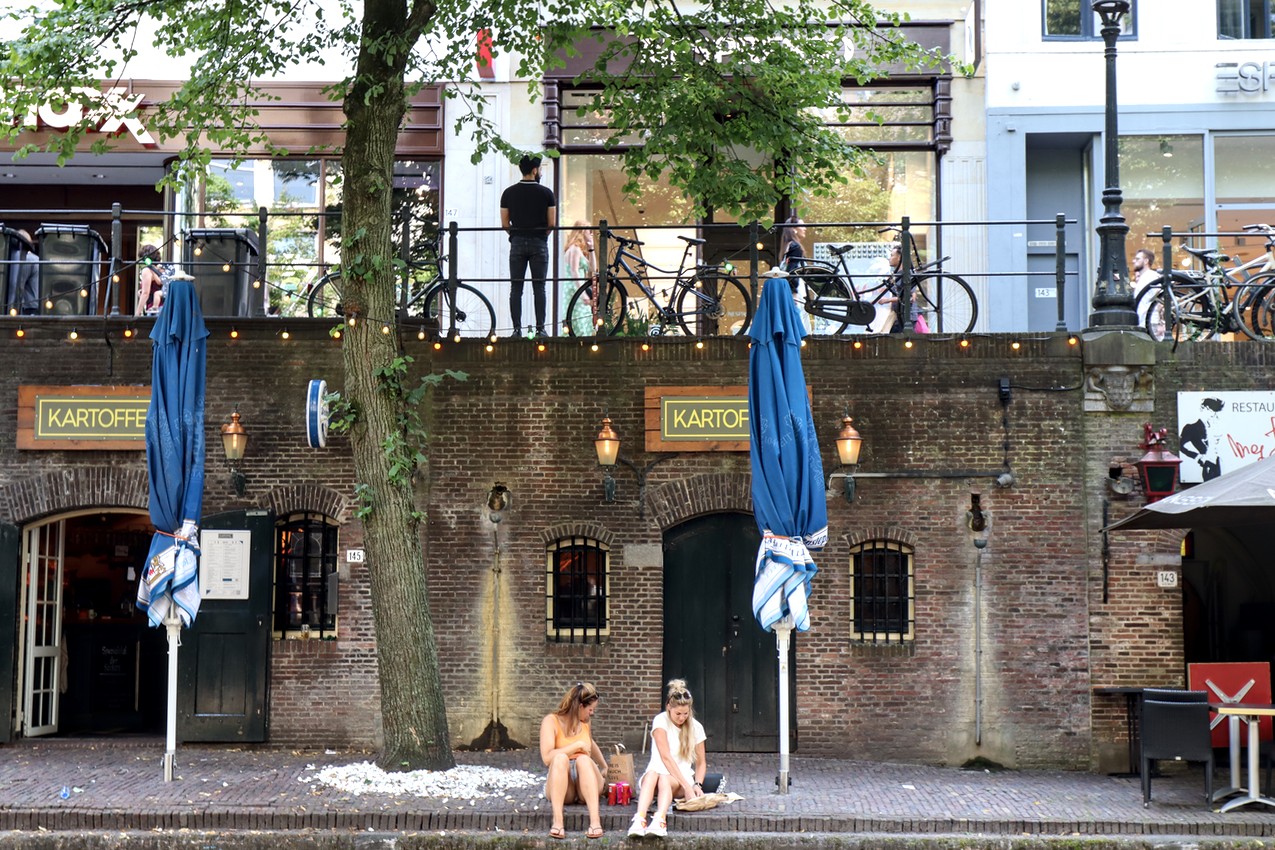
x=729, y=99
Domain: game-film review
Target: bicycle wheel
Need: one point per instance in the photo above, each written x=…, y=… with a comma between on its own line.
x=712, y=304
x=826, y=291
x=467, y=313
x=1190, y=316
x=324, y=298
x=608, y=322
x=1252, y=307
x=946, y=302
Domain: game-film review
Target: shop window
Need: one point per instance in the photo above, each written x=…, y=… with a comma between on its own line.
x=882, y=593
x=1076, y=19
x=305, y=583
x=576, y=591
x=1245, y=18
x=1162, y=178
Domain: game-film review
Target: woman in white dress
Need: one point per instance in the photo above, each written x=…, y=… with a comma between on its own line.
x=677, y=761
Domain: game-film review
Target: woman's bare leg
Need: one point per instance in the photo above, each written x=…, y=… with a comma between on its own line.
x=589, y=785
x=556, y=786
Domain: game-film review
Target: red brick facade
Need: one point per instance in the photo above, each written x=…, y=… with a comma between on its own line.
x=527, y=419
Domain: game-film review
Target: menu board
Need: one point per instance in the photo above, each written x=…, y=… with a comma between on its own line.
x=223, y=564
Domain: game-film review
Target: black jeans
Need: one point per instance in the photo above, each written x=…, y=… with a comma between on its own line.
x=525, y=251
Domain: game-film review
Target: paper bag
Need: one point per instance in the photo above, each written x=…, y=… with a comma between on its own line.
x=620, y=767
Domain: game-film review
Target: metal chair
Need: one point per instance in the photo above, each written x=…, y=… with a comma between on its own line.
x=1174, y=695
x=1179, y=731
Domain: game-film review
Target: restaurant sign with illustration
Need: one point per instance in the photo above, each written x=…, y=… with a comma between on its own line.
x=1219, y=432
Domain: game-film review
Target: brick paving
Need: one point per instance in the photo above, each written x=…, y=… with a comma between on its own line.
x=119, y=786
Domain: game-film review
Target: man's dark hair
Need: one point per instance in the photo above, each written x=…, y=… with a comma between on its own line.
x=528, y=164
x=1213, y=404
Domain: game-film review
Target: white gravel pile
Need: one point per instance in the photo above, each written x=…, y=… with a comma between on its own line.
x=469, y=782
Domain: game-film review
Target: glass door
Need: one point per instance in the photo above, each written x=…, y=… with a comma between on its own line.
x=43, y=668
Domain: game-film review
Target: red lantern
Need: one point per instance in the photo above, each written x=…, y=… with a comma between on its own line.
x=1158, y=468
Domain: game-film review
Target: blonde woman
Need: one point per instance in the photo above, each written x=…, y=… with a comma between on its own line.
x=576, y=765
x=580, y=270
x=677, y=761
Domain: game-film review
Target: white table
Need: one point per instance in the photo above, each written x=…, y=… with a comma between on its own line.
x=1253, y=713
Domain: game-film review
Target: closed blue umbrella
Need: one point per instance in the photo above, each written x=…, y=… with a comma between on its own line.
x=788, y=487
x=169, y=589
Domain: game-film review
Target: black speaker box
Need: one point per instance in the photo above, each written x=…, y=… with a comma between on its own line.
x=70, y=262
x=223, y=261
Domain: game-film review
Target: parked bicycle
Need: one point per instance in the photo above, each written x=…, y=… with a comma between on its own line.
x=943, y=301
x=1216, y=300
x=702, y=300
x=423, y=295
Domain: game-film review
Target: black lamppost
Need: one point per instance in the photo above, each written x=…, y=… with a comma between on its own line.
x=1113, y=297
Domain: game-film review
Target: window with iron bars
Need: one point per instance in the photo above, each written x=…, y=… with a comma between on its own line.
x=305, y=579
x=882, y=593
x=576, y=591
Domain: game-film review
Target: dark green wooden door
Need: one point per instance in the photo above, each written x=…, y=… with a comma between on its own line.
x=224, y=662
x=8, y=626
x=711, y=638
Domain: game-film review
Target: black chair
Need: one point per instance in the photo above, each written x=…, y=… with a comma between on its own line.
x=1179, y=731
x=1172, y=695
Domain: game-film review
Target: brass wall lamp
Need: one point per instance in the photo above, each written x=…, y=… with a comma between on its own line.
x=607, y=445
x=234, y=440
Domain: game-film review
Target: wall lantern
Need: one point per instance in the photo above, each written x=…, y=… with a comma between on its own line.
x=1158, y=468
x=848, y=445
x=607, y=445
x=234, y=440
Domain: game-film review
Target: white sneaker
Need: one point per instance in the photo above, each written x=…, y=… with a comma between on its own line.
x=658, y=828
x=638, y=828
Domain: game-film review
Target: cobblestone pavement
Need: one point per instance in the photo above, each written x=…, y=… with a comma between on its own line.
x=113, y=786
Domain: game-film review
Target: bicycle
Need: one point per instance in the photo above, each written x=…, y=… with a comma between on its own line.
x=703, y=301
x=1201, y=304
x=461, y=311
x=944, y=300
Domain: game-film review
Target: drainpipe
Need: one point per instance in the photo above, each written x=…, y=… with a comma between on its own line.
x=980, y=543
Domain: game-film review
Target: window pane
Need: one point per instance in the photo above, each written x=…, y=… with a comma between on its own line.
x=1230, y=18
x=1162, y=178
x=577, y=590
x=1244, y=168
x=1062, y=17
x=306, y=560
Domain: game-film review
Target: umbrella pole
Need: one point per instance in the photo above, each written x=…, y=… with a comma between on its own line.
x=173, y=624
x=783, y=633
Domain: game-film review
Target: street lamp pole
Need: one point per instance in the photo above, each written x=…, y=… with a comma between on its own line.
x=1113, y=297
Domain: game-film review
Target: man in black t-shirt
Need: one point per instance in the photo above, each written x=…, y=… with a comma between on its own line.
x=528, y=211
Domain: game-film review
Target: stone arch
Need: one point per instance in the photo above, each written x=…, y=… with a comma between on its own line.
x=892, y=533
x=587, y=528
x=308, y=496
x=678, y=501
x=74, y=487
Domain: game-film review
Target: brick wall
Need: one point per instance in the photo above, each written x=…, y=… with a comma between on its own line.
x=527, y=419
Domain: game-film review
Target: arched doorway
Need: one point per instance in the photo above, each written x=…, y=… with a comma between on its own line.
x=711, y=638
x=1228, y=595
x=86, y=661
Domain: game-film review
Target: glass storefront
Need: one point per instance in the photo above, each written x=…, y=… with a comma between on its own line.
x=303, y=199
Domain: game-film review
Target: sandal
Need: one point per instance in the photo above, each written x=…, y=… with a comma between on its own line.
x=557, y=832
x=594, y=832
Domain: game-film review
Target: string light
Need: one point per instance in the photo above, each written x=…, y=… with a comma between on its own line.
x=646, y=346
x=1072, y=340
x=540, y=346
x=225, y=267
x=490, y=348
x=438, y=345
x=284, y=334
x=199, y=249
x=1015, y=345
x=699, y=343
x=385, y=329
x=593, y=347
x=115, y=278
x=84, y=293
x=256, y=284
x=907, y=343
x=858, y=344
x=964, y=343
x=128, y=333
x=48, y=305
x=13, y=311
x=350, y=320
x=456, y=338
x=20, y=333
x=420, y=334
x=336, y=333
x=74, y=334
x=491, y=338
x=234, y=333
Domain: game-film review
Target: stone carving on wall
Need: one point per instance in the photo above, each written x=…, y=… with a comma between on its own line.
x=1119, y=389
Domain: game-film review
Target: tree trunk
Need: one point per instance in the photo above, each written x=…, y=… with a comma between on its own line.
x=412, y=709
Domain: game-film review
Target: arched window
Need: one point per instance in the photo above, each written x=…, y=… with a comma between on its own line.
x=882, y=593
x=576, y=590
x=305, y=577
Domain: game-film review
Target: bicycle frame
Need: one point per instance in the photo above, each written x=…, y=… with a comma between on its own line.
x=641, y=275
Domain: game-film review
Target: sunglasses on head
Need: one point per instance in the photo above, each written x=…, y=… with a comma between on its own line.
x=680, y=696
x=590, y=700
